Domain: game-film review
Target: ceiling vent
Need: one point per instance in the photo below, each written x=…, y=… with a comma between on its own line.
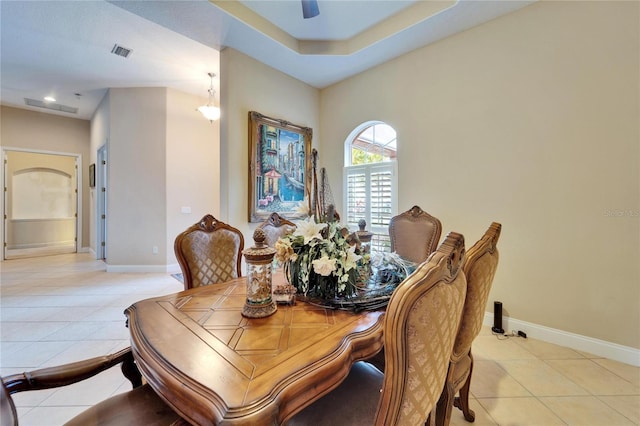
x=121, y=51
x=50, y=105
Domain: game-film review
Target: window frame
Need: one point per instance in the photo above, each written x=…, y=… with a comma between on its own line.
x=381, y=239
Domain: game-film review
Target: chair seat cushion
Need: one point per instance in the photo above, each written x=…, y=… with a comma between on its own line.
x=140, y=406
x=353, y=403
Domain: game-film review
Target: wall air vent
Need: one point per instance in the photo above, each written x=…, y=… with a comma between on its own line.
x=50, y=105
x=121, y=51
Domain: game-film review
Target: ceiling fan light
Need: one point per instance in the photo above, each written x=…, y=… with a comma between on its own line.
x=210, y=112
x=310, y=8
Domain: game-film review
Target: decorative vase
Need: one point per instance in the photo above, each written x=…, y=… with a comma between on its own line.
x=259, y=303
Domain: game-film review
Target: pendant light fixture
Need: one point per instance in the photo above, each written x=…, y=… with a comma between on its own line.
x=210, y=111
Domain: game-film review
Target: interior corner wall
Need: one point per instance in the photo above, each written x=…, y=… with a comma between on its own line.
x=100, y=126
x=249, y=85
x=193, y=166
x=136, y=188
x=32, y=130
x=531, y=120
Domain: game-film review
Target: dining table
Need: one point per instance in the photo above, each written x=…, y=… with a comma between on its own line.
x=214, y=366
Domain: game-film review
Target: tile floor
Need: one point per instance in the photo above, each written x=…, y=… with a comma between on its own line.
x=59, y=309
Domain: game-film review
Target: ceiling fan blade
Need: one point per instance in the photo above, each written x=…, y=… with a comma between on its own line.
x=310, y=8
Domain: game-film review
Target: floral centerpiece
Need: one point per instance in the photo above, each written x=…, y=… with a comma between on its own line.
x=319, y=260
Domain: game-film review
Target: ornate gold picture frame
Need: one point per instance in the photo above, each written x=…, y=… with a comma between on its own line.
x=279, y=168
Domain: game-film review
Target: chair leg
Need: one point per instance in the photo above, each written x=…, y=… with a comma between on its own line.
x=130, y=371
x=443, y=408
x=462, y=402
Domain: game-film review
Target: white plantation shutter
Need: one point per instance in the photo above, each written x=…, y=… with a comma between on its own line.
x=369, y=195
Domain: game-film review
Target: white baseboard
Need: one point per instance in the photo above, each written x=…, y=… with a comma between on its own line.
x=137, y=268
x=171, y=269
x=602, y=348
x=85, y=250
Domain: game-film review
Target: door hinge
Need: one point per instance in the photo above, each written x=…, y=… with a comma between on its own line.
x=104, y=216
x=104, y=162
x=102, y=244
x=104, y=189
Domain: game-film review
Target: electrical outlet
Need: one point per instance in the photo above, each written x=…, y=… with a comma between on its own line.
x=154, y=250
x=522, y=334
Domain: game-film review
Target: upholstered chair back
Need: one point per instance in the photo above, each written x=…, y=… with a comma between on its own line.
x=209, y=252
x=414, y=234
x=479, y=268
x=421, y=323
x=275, y=227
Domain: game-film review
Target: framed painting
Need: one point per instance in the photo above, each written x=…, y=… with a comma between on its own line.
x=279, y=168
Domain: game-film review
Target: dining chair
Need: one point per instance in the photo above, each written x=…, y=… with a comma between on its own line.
x=479, y=268
x=420, y=325
x=140, y=406
x=414, y=234
x=209, y=252
x=274, y=227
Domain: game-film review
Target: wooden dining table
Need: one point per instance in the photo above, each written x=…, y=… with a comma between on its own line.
x=214, y=366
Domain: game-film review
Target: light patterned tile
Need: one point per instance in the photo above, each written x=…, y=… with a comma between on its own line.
x=540, y=379
x=585, y=411
x=29, y=331
x=544, y=350
x=490, y=380
x=50, y=416
x=492, y=347
x=33, y=355
x=594, y=378
x=626, y=371
x=32, y=398
x=527, y=411
x=482, y=417
x=627, y=405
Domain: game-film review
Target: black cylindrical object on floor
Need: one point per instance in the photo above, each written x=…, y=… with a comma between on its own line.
x=497, y=318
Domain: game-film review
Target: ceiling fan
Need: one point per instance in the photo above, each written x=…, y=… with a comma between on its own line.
x=310, y=8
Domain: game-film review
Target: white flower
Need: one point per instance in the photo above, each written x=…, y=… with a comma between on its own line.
x=324, y=266
x=309, y=230
x=352, y=258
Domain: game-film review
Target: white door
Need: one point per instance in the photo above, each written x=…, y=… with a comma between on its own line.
x=101, y=190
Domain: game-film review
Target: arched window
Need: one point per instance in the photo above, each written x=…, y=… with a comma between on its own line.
x=370, y=180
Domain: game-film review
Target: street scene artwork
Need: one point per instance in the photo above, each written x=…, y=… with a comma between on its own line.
x=279, y=168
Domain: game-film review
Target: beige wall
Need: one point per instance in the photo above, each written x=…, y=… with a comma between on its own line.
x=530, y=120
x=248, y=85
x=30, y=130
x=162, y=156
x=193, y=165
x=136, y=189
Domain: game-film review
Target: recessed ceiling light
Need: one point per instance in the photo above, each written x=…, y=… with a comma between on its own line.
x=49, y=99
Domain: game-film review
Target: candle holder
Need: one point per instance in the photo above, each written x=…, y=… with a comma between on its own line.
x=259, y=258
